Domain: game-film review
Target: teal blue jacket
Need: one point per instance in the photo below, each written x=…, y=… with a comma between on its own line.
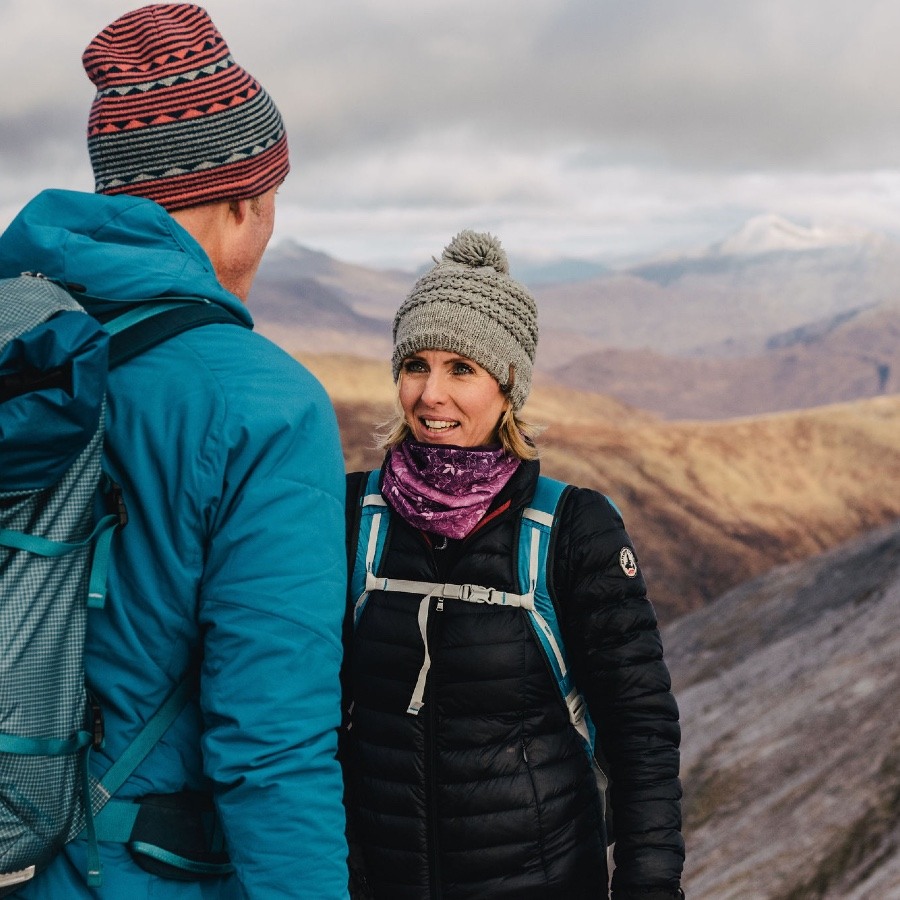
x=232, y=562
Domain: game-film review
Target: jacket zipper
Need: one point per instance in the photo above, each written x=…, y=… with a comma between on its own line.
x=434, y=864
x=434, y=861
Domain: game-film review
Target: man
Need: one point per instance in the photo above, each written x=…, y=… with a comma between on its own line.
x=231, y=568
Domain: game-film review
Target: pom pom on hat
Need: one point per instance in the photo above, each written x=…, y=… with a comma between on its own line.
x=472, y=248
x=468, y=304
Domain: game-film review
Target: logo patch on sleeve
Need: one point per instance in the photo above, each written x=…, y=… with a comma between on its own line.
x=628, y=562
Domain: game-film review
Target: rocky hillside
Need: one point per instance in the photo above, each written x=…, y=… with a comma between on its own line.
x=709, y=505
x=791, y=751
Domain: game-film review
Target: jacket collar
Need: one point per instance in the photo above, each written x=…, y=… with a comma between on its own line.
x=117, y=248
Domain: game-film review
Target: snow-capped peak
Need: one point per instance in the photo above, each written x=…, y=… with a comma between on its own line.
x=770, y=233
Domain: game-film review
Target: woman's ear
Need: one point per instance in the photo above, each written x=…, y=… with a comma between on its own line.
x=510, y=380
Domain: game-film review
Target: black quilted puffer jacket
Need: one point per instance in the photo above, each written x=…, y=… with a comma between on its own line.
x=488, y=792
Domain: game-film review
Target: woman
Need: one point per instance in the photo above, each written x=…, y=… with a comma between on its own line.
x=466, y=777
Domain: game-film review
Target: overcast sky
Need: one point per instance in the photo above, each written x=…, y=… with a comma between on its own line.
x=584, y=128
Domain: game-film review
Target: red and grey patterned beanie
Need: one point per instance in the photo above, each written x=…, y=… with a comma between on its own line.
x=175, y=118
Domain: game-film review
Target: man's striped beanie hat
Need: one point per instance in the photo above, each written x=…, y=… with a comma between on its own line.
x=175, y=118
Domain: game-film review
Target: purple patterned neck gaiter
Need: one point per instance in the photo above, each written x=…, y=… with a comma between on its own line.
x=445, y=490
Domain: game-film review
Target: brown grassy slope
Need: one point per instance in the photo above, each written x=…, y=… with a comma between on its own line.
x=708, y=504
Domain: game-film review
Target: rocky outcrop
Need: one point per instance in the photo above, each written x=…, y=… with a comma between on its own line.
x=788, y=688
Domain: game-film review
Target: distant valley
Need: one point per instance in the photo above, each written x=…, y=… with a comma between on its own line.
x=856, y=354
x=775, y=317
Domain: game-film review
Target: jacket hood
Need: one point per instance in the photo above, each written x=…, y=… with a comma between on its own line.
x=119, y=248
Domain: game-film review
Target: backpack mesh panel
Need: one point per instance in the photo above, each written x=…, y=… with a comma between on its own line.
x=42, y=622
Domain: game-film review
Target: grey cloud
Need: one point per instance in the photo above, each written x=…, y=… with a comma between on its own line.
x=698, y=82
x=615, y=117
x=693, y=83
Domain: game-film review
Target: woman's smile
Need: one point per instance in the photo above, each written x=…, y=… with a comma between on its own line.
x=449, y=399
x=438, y=425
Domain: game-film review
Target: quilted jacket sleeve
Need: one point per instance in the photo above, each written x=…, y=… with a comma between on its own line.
x=611, y=631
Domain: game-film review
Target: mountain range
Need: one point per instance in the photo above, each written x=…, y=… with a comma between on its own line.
x=774, y=317
x=708, y=504
x=854, y=354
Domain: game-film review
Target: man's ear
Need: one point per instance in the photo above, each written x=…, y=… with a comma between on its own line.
x=239, y=210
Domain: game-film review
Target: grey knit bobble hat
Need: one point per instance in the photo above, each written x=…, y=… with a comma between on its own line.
x=468, y=304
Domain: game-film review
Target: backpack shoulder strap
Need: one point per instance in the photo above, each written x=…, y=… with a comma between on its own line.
x=132, y=332
x=355, y=489
x=374, y=519
x=148, y=324
x=535, y=542
x=536, y=531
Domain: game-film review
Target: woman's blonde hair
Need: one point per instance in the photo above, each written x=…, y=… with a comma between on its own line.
x=516, y=436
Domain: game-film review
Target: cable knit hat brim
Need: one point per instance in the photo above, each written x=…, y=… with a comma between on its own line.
x=468, y=304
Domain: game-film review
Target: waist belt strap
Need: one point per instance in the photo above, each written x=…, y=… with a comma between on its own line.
x=174, y=836
x=122, y=768
x=116, y=821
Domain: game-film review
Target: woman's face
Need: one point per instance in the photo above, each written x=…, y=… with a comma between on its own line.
x=449, y=399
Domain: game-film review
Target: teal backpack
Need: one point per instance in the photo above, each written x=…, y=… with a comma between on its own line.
x=535, y=539
x=54, y=555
